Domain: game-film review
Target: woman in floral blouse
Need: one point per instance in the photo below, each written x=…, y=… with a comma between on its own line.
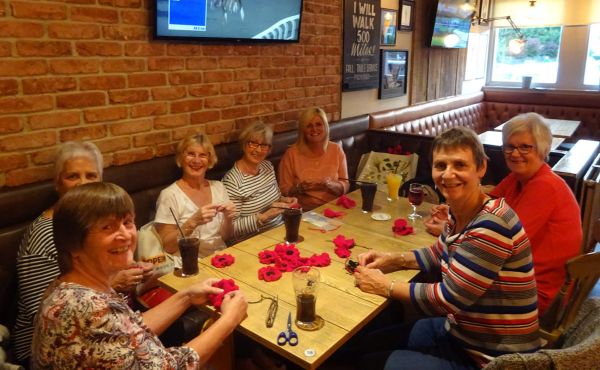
x=84, y=323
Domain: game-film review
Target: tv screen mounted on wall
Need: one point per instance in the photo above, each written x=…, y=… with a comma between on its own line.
x=452, y=23
x=229, y=20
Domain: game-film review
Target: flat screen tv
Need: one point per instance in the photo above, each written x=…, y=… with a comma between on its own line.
x=452, y=23
x=229, y=20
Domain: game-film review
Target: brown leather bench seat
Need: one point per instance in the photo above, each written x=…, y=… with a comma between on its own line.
x=143, y=181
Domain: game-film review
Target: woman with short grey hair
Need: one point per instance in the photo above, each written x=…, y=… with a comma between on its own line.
x=37, y=265
x=252, y=186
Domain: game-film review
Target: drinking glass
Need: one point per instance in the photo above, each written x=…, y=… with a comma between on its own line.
x=393, y=184
x=291, y=221
x=306, y=282
x=188, y=248
x=367, y=191
x=415, y=198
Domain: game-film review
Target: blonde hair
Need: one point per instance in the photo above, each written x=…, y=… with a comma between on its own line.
x=77, y=149
x=306, y=117
x=536, y=125
x=196, y=139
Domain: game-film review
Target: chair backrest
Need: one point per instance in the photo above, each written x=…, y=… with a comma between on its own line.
x=582, y=274
x=595, y=239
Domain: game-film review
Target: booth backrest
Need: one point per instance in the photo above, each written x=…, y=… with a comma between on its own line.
x=143, y=181
x=434, y=117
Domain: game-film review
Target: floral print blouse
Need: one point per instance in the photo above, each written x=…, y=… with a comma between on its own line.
x=79, y=327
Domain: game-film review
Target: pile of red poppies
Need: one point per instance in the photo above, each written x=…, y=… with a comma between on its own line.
x=345, y=202
x=285, y=258
x=228, y=285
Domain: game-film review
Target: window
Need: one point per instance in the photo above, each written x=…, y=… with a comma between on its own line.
x=592, y=62
x=538, y=59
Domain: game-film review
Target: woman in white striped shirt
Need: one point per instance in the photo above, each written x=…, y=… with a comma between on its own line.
x=76, y=163
x=252, y=186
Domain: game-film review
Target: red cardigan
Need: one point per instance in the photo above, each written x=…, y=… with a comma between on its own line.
x=551, y=218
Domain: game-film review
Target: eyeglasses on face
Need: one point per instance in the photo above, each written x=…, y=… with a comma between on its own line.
x=523, y=148
x=194, y=155
x=255, y=145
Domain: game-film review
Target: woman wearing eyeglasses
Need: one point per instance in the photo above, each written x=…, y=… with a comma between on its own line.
x=197, y=203
x=252, y=186
x=546, y=206
x=314, y=169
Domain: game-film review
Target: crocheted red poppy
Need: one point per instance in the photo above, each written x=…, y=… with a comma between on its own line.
x=328, y=212
x=295, y=205
x=222, y=260
x=341, y=242
x=401, y=227
x=342, y=252
x=319, y=260
x=228, y=285
x=345, y=202
x=268, y=256
x=269, y=273
x=287, y=251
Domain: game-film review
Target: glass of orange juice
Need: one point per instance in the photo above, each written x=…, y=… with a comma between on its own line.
x=393, y=184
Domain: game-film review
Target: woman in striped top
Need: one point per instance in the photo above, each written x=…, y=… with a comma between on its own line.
x=487, y=292
x=76, y=163
x=252, y=186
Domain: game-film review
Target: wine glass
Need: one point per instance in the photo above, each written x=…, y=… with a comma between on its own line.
x=415, y=198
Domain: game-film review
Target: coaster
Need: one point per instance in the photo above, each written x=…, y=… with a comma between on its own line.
x=380, y=216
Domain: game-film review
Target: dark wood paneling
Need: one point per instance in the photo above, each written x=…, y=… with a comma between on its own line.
x=437, y=72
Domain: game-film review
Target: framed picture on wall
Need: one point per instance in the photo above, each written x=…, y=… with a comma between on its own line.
x=389, y=23
x=484, y=9
x=393, y=73
x=407, y=15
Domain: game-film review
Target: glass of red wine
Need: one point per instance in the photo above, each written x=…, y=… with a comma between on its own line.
x=415, y=198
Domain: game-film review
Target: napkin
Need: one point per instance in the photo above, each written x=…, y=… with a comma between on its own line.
x=345, y=202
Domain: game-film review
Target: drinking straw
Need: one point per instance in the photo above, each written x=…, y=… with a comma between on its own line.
x=177, y=222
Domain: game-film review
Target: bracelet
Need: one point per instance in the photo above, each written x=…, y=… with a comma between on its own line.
x=391, y=288
x=258, y=221
x=402, y=261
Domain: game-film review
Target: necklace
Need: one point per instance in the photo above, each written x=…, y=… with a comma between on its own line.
x=246, y=169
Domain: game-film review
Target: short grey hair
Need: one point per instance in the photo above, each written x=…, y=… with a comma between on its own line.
x=255, y=131
x=536, y=125
x=77, y=149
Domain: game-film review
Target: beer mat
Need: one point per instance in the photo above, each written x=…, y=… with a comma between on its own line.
x=321, y=222
x=380, y=216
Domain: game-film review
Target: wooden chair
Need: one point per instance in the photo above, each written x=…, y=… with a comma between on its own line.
x=582, y=274
x=595, y=239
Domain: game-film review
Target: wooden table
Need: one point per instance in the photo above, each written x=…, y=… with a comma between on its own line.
x=494, y=138
x=337, y=288
x=558, y=127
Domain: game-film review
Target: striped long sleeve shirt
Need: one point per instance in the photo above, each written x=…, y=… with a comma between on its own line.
x=487, y=290
x=37, y=267
x=251, y=196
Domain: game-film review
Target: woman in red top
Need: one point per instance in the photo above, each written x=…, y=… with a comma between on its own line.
x=546, y=206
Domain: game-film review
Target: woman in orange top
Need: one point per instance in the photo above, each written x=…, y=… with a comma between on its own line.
x=314, y=169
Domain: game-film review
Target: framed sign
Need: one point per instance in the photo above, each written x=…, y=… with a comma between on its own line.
x=407, y=15
x=394, y=70
x=362, y=21
x=389, y=23
x=484, y=9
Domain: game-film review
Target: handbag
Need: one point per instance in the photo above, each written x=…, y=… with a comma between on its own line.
x=150, y=249
x=375, y=166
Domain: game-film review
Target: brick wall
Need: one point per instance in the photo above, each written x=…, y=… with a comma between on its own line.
x=89, y=70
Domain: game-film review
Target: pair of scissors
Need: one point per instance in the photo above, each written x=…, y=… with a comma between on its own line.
x=288, y=336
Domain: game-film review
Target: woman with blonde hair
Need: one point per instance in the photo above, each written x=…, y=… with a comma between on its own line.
x=200, y=205
x=314, y=169
x=252, y=186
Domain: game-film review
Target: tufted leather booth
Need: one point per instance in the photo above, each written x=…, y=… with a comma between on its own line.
x=143, y=181
x=485, y=110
